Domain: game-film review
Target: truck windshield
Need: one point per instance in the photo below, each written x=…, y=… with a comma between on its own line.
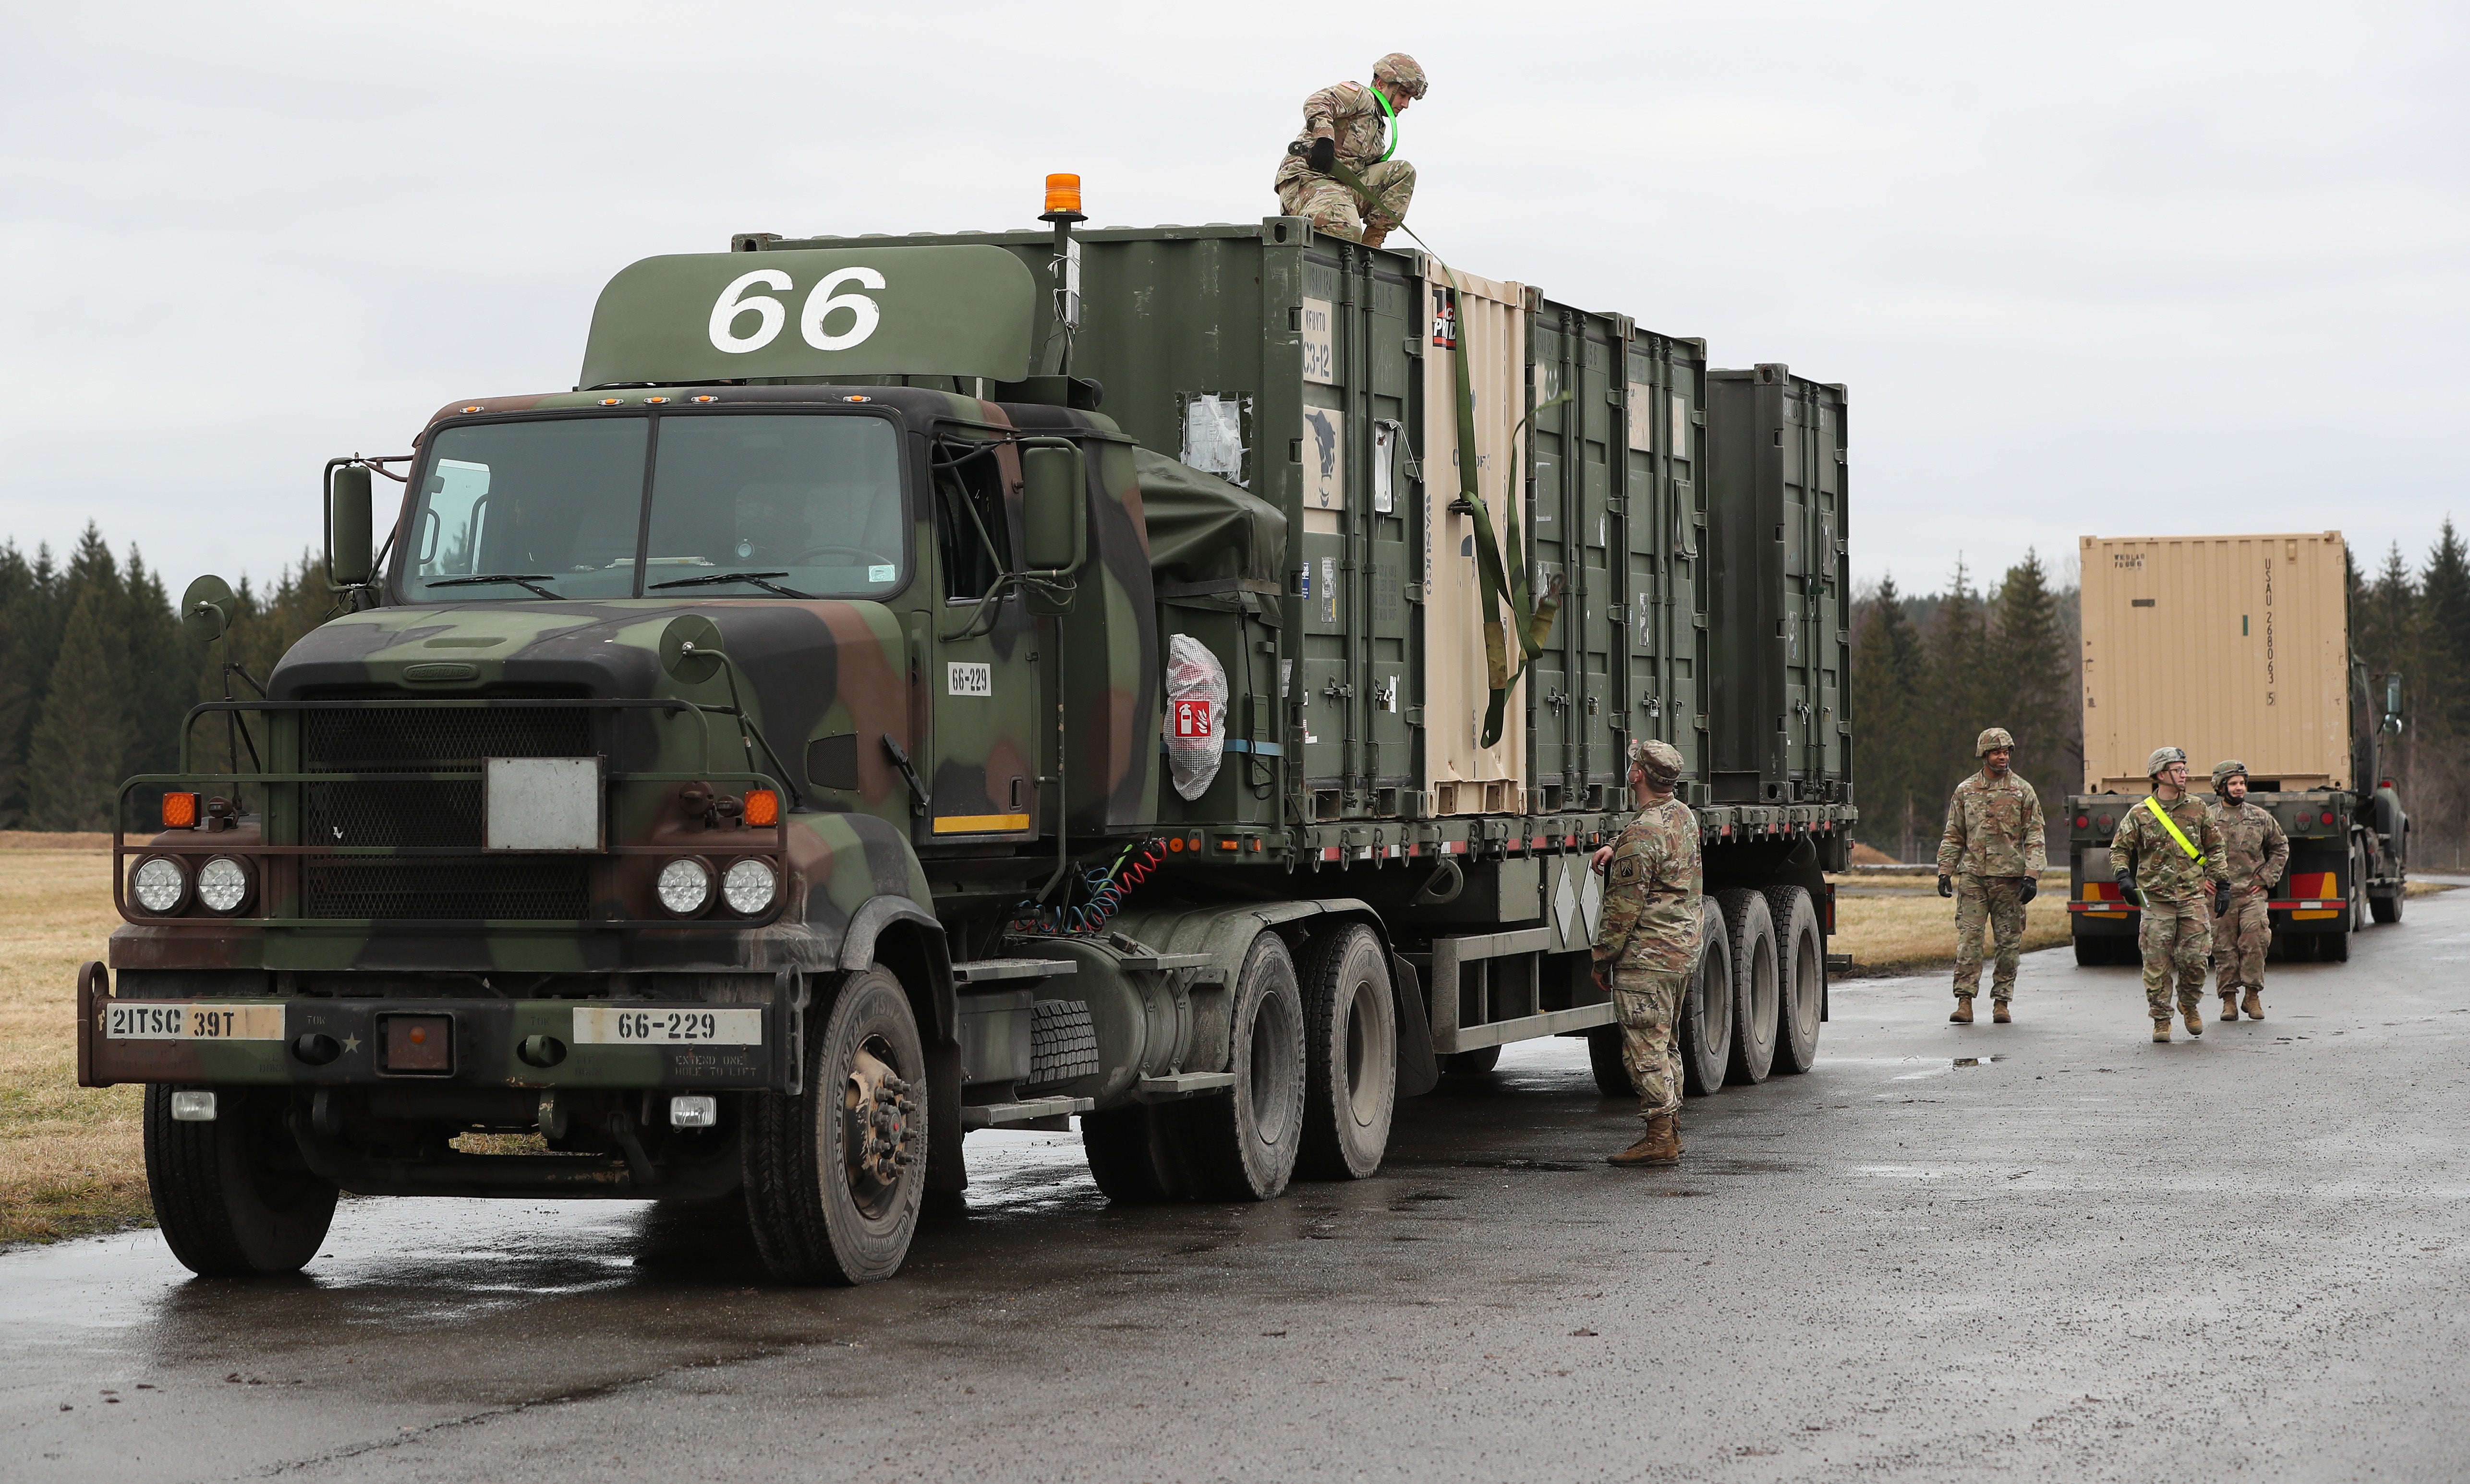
x=762, y=504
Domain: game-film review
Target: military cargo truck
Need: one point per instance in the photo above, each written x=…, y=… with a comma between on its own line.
x=1167, y=678
x=2238, y=648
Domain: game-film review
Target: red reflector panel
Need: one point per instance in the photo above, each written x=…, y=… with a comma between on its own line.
x=419, y=1044
x=762, y=807
x=179, y=811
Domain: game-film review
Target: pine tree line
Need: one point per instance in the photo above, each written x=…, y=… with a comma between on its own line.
x=97, y=674
x=1929, y=675
x=2417, y=625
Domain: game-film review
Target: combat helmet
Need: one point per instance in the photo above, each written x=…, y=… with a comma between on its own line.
x=1658, y=759
x=1400, y=68
x=2226, y=769
x=1990, y=741
x=2162, y=757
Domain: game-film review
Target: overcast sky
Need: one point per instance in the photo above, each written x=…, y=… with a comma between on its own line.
x=2086, y=268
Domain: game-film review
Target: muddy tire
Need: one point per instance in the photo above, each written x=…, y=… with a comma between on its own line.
x=1350, y=1056
x=233, y=1196
x=1131, y=1156
x=1707, y=1007
x=1801, y=977
x=834, y=1177
x=1750, y=939
x=1471, y=1063
x=1242, y=1144
x=1605, y=1060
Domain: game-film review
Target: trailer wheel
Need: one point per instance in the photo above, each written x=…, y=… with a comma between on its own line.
x=1131, y=1155
x=2334, y=947
x=2386, y=908
x=1471, y=1063
x=1750, y=937
x=1605, y=1060
x=1350, y=1056
x=1243, y=1145
x=1706, y=1006
x=232, y=1195
x=1801, y=972
x=834, y=1176
x=2354, y=919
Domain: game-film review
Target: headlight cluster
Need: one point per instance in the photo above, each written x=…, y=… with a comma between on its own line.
x=685, y=887
x=162, y=885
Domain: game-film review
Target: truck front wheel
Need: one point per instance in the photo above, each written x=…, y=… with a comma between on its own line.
x=232, y=1195
x=834, y=1175
x=1350, y=1056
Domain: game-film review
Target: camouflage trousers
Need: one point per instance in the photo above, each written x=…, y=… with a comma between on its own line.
x=1334, y=208
x=1648, y=1002
x=2177, y=940
x=1996, y=903
x=2239, y=937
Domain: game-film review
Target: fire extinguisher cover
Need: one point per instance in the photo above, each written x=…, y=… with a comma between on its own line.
x=1196, y=714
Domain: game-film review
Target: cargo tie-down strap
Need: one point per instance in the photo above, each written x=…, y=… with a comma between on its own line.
x=1493, y=576
x=2147, y=804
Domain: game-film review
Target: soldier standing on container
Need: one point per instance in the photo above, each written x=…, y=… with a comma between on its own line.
x=1647, y=944
x=1349, y=123
x=1989, y=860
x=2167, y=855
x=2255, y=851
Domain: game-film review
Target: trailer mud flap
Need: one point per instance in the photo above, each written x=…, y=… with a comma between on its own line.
x=1419, y=1070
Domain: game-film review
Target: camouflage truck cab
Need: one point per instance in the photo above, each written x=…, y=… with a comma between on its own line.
x=752, y=770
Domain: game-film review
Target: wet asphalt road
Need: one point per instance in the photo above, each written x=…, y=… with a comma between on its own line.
x=2083, y=1257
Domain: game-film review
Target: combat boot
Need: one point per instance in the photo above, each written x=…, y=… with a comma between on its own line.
x=2195, y=1019
x=1999, y=1013
x=1660, y=1146
x=2254, y=1006
x=2162, y=1030
x=2230, y=1004
x=1962, y=1016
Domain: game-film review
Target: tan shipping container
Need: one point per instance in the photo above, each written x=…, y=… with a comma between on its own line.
x=1459, y=775
x=2227, y=646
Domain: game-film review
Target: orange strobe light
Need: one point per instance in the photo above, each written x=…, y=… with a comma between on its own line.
x=1064, y=196
x=762, y=806
x=179, y=811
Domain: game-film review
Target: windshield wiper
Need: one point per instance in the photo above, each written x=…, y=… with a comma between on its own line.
x=757, y=578
x=530, y=580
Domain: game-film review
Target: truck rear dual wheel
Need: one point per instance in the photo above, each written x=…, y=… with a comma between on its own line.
x=2386, y=908
x=1801, y=974
x=836, y=1175
x=1239, y=1144
x=232, y=1195
x=1350, y=1056
x=1750, y=940
x=1706, y=1006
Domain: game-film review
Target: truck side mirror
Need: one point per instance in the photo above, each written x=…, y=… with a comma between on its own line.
x=1054, y=504
x=2392, y=696
x=207, y=607
x=349, y=526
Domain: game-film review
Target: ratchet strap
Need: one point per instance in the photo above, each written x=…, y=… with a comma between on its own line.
x=2147, y=804
x=1495, y=576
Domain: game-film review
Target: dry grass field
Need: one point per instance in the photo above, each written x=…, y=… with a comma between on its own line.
x=71, y=1160
x=1908, y=926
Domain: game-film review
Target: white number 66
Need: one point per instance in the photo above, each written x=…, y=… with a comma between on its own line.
x=770, y=314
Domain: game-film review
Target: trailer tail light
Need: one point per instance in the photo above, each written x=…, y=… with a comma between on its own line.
x=179, y=811
x=762, y=807
x=2105, y=822
x=2083, y=822
x=2326, y=816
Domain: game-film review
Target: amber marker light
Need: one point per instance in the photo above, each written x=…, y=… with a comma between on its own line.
x=612, y=402
x=179, y=811
x=707, y=399
x=762, y=806
x=1062, y=198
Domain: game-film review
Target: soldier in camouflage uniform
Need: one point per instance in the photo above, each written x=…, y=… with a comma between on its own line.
x=2171, y=870
x=1647, y=944
x=2255, y=851
x=1990, y=860
x=1345, y=123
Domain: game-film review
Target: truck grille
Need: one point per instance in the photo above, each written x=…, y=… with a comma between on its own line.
x=431, y=813
x=510, y=887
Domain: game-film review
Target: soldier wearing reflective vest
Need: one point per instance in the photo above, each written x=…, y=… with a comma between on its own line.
x=2167, y=856
x=2255, y=851
x=1989, y=860
x=1646, y=945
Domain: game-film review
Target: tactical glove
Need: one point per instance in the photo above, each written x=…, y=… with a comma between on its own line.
x=2128, y=894
x=2222, y=898
x=2031, y=888
x=1322, y=156
x=1946, y=888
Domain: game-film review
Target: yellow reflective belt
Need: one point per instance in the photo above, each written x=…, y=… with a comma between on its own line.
x=2172, y=825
